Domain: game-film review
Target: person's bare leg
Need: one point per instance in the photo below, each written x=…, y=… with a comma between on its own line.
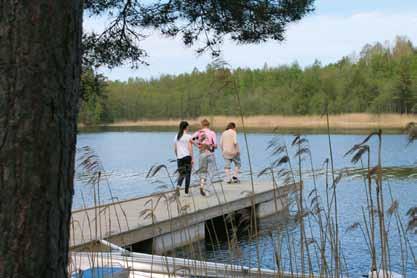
x=203, y=172
x=237, y=164
x=236, y=173
x=227, y=171
x=202, y=182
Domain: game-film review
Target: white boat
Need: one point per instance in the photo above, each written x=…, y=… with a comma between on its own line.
x=120, y=263
x=383, y=274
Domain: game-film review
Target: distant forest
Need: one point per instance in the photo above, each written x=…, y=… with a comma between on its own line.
x=382, y=78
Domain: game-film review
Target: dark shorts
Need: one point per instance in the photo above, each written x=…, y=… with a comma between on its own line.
x=235, y=160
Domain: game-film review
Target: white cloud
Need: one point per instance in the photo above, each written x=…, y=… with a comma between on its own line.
x=323, y=37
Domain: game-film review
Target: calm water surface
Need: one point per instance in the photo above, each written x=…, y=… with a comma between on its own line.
x=127, y=157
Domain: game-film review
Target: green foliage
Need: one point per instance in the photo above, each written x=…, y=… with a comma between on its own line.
x=203, y=24
x=94, y=104
x=383, y=79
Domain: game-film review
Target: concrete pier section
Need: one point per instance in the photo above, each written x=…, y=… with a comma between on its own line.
x=164, y=221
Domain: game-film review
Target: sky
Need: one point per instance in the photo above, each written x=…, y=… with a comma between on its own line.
x=335, y=29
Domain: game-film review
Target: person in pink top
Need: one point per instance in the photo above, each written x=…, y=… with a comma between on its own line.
x=205, y=140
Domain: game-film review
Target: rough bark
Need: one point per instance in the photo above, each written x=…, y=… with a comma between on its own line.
x=39, y=87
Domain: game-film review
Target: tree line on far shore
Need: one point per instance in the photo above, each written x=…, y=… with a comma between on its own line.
x=382, y=78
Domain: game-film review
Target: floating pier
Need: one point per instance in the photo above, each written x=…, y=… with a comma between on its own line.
x=164, y=221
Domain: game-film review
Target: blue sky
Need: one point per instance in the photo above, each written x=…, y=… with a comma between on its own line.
x=348, y=7
x=337, y=28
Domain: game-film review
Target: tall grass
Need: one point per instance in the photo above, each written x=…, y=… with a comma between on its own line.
x=306, y=244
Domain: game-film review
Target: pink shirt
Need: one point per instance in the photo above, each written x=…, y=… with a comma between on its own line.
x=205, y=136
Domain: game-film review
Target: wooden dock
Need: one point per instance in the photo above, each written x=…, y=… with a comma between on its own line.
x=171, y=221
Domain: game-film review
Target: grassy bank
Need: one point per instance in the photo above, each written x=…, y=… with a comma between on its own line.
x=343, y=123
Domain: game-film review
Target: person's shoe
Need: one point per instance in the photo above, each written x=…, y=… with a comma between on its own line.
x=235, y=180
x=202, y=192
x=177, y=191
x=229, y=181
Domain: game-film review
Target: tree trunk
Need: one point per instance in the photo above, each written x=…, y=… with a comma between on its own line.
x=39, y=87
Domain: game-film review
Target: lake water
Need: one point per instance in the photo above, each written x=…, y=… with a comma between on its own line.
x=127, y=157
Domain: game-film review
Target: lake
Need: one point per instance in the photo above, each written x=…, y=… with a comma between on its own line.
x=128, y=156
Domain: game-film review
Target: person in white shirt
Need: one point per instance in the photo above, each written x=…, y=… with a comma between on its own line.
x=184, y=152
x=230, y=152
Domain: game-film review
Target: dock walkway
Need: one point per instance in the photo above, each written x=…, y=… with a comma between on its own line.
x=166, y=218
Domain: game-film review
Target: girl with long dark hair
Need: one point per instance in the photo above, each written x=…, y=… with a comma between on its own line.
x=184, y=152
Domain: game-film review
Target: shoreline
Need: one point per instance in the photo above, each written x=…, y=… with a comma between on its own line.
x=343, y=123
